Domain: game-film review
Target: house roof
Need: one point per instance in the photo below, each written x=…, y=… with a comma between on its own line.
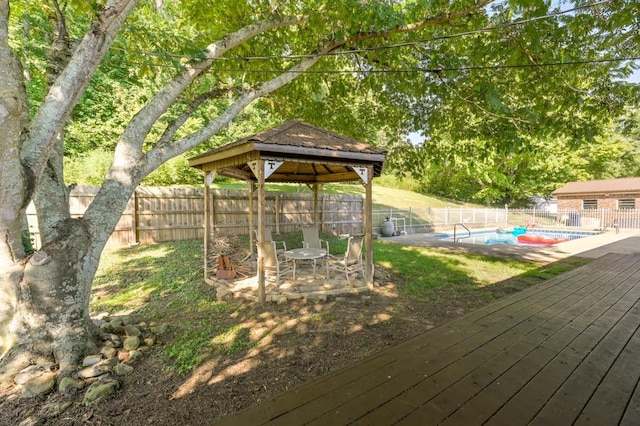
x=306, y=153
x=602, y=186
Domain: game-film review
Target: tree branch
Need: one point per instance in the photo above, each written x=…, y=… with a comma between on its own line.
x=514, y=120
x=177, y=123
x=71, y=84
x=129, y=148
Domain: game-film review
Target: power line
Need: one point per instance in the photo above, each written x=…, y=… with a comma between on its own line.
x=380, y=47
x=420, y=70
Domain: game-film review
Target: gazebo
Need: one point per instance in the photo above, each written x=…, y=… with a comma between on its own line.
x=293, y=152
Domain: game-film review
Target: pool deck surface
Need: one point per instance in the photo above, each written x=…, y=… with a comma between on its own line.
x=564, y=352
x=591, y=247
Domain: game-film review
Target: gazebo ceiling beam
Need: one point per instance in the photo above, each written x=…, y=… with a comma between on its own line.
x=335, y=177
x=236, y=174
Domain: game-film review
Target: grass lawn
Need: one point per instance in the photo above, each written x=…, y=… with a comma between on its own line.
x=163, y=283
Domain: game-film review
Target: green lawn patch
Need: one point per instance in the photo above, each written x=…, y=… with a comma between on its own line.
x=163, y=283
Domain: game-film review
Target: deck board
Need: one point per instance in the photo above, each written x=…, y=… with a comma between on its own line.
x=564, y=351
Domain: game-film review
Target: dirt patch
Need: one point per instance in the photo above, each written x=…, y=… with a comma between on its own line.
x=292, y=343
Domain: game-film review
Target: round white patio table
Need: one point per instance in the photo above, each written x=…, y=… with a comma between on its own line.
x=306, y=253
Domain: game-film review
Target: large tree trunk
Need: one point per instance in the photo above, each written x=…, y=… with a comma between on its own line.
x=44, y=299
x=15, y=179
x=52, y=318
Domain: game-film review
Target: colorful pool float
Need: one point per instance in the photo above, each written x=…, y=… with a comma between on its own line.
x=518, y=231
x=539, y=239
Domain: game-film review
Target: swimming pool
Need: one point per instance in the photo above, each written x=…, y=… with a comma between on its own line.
x=494, y=237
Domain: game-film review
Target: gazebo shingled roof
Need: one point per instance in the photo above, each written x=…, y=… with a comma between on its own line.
x=309, y=154
x=294, y=152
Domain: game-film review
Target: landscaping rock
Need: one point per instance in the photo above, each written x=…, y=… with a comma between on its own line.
x=91, y=360
x=118, y=329
x=70, y=383
x=99, y=390
x=131, y=343
x=117, y=322
x=133, y=355
x=132, y=330
x=130, y=320
x=92, y=371
x=32, y=372
x=159, y=330
x=123, y=355
x=111, y=362
x=40, y=385
x=149, y=341
x=222, y=294
x=108, y=352
x=122, y=369
x=54, y=409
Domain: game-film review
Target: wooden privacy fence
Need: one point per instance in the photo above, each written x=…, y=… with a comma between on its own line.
x=287, y=212
x=160, y=214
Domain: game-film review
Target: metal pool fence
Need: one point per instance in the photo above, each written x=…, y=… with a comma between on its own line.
x=443, y=219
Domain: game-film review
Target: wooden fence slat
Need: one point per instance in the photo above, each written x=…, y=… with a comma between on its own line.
x=159, y=214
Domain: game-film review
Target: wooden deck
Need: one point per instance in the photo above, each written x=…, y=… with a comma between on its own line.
x=560, y=353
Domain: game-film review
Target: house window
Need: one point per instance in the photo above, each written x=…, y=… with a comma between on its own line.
x=589, y=204
x=627, y=203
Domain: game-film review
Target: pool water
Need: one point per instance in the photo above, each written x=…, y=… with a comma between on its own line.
x=493, y=237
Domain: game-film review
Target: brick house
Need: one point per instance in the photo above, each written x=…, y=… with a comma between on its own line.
x=618, y=194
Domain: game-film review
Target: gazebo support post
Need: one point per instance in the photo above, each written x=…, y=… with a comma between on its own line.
x=368, y=229
x=261, y=224
x=209, y=177
x=252, y=226
x=315, y=205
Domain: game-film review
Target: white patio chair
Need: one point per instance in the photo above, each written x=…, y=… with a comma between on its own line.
x=311, y=238
x=351, y=262
x=273, y=266
x=281, y=246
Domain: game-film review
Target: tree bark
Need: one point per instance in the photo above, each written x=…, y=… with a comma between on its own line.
x=14, y=183
x=44, y=298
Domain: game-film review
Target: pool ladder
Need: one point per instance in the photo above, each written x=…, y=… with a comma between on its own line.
x=455, y=229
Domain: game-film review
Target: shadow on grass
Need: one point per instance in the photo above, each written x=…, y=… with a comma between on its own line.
x=215, y=346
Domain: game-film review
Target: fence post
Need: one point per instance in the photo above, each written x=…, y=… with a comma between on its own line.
x=410, y=218
x=135, y=218
x=506, y=213
x=277, y=213
x=323, y=207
